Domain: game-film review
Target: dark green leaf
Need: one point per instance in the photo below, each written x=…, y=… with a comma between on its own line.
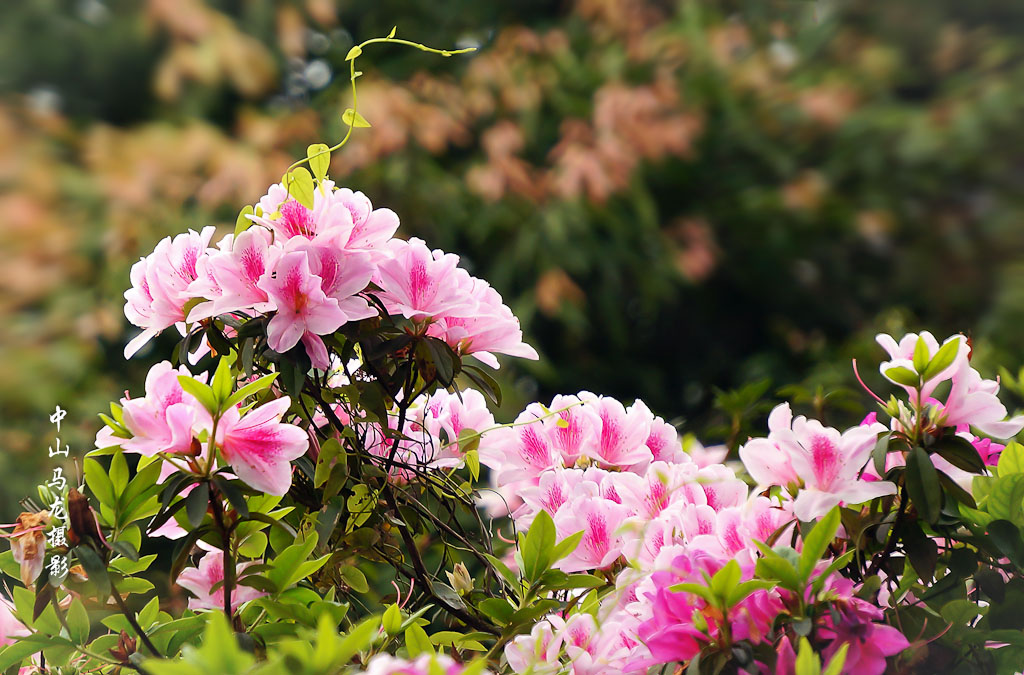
x=197, y=502
x=960, y=453
x=922, y=482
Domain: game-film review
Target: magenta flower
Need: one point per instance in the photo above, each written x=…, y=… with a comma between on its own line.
x=160, y=284
x=210, y=571
x=259, y=447
x=419, y=283
x=870, y=642
x=304, y=312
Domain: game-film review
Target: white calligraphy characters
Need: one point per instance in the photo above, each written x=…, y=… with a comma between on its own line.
x=57, y=536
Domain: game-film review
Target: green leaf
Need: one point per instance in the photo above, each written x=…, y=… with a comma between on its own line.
x=357, y=639
x=740, y=591
x=242, y=223
x=392, y=33
x=960, y=453
x=878, y=454
x=16, y=653
x=118, y=472
x=817, y=540
x=250, y=389
x=922, y=481
x=502, y=569
x=223, y=382
x=921, y=355
x=699, y=590
x=1011, y=459
x=538, y=545
x=94, y=569
x=329, y=449
x=391, y=622
x=943, y=358
x=319, y=160
x=98, y=481
x=417, y=642
x=197, y=502
x=902, y=375
x=725, y=580
x=299, y=184
x=566, y=546
x=353, y=53
x=774, y=566
x=353, y=119
x=835, y=665
x=78, y=622
x=201, y=392
x=807, y=662
x=1006, y=498
x=287, y=566
x=355, y=579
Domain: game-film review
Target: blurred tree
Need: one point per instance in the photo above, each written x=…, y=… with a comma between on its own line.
x=738, y=190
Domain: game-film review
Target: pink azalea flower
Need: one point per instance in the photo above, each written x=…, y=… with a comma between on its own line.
x=623, y=432
x=826, y=463
x=973, y=401
x=767, y=460
x=328, y=217
x=10, y=628
x=160, y=284
x=902, y=354
x=830, y=464
x=592, y=649
x=490, y=328
x=234, y=276
x=553, y=490
x=161, y=421
x=304, y=311
x=536, y=653
x=371, y=228
x=418, y=283
x=599, y=519
x=259, y=447
x=210, y=571
x=521, y=453
x=444, y=412
x=424, y=664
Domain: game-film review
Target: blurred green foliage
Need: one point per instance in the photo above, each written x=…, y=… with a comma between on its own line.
x=676, y=198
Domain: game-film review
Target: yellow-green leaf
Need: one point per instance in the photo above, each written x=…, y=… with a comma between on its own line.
x=319, y=159
x=353, y=119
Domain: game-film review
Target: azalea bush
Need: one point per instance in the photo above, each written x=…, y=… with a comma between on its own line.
x=317, y=465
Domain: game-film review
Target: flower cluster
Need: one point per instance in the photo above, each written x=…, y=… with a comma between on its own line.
x=309, y=267
x=665, y=526
x=170, y=422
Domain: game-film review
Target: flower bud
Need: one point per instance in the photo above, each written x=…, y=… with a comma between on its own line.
x=460, y=580
x=392, y=620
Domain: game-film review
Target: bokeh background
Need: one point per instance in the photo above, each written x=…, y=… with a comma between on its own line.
x=678, y=198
